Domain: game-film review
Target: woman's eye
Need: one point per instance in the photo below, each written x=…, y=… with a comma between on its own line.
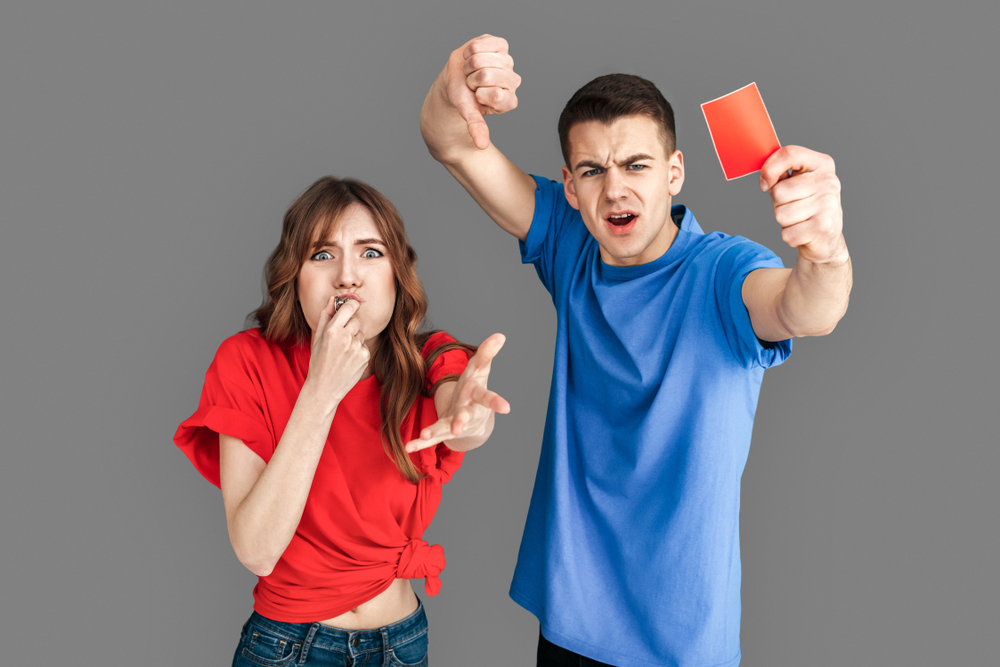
x=371, y=253
x=321, y=255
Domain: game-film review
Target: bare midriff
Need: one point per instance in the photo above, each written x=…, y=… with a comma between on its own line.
x=393, y=604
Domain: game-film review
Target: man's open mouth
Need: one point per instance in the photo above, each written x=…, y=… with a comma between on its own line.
x=620, y=220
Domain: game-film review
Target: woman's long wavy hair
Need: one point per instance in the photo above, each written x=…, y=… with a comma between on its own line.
x=397, y=361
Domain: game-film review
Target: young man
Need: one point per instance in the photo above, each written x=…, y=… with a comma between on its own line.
x=630, y=554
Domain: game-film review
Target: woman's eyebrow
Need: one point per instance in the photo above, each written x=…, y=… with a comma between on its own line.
x=331, y=244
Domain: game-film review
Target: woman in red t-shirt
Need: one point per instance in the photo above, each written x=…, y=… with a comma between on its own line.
x=330, y=429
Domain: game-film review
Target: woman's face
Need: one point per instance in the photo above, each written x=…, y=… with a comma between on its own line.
x=353, y=262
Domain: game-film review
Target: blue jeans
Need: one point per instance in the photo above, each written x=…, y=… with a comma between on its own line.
x=267, y=643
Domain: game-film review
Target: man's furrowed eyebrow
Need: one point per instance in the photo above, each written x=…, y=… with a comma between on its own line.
x=587, y=163
x=631, y=159
x=635, y=158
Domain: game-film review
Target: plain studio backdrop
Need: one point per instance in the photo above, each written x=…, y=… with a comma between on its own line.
x=149, y=150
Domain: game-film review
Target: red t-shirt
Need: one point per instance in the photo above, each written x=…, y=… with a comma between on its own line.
x=362, y=523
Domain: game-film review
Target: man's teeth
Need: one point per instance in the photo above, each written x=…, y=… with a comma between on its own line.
x=621, y=220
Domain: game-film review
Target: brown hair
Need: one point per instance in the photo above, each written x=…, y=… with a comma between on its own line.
x=397, y=361
x=612, y=96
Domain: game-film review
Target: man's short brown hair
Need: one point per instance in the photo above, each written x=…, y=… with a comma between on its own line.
x=612, y=96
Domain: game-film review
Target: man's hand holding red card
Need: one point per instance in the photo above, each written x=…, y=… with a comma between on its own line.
x=805, y=193
x=803, y=184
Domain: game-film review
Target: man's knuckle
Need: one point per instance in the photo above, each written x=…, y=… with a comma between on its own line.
x=477, y=61
x=486, y=78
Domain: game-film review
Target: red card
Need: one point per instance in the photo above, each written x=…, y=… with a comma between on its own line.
x=741, y=130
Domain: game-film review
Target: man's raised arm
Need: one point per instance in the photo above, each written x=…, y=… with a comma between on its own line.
x=809, y=299
x=479, y=80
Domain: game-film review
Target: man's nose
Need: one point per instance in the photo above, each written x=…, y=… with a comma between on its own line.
x=614, y=184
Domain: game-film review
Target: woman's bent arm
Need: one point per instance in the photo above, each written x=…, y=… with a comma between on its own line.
x=264, y=501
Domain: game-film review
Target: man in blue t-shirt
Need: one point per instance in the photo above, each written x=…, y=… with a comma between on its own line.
x=630, y=554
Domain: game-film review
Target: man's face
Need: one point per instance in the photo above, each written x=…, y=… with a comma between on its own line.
x=622, y=181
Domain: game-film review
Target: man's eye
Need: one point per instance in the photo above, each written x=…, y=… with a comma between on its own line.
x=592, y=172
x=322, y=255
x=636, y=167
x=371, y=253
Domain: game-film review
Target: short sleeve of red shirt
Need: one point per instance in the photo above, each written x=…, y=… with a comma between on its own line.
x=440, y=461
x=230, y=404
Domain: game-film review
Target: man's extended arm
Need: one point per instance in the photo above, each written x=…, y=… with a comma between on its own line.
x=809, y=299
x=478, y=80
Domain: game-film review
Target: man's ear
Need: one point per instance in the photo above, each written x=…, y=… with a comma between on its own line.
x=570, y=188
x=676, y=163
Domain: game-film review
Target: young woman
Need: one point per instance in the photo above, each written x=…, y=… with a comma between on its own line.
x=330, y=428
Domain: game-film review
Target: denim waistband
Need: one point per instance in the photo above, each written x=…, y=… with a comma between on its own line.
x=351, y=641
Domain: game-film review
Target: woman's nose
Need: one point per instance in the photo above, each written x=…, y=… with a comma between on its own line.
x=347, y=274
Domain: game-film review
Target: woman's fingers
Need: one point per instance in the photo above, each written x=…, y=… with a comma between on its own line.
x=353, y=326
x=490, y=399
x=465, y=418
x=431, y=435
x=346, y=312
x=483, y=357
x=459, y=420
x=325, y=316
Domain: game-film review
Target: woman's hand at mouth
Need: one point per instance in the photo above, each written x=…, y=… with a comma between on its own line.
x=339, y=356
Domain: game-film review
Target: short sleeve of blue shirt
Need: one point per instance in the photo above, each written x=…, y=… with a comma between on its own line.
x=735, y=264
x=556, y=227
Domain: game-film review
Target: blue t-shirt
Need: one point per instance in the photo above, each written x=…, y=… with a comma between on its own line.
x=630, y=554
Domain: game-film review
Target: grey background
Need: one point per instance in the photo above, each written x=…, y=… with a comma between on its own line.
x=148, y=151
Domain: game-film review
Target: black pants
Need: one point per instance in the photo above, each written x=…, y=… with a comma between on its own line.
x=550, y=655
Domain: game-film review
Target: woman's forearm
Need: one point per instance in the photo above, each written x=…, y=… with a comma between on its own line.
x=265, y=521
